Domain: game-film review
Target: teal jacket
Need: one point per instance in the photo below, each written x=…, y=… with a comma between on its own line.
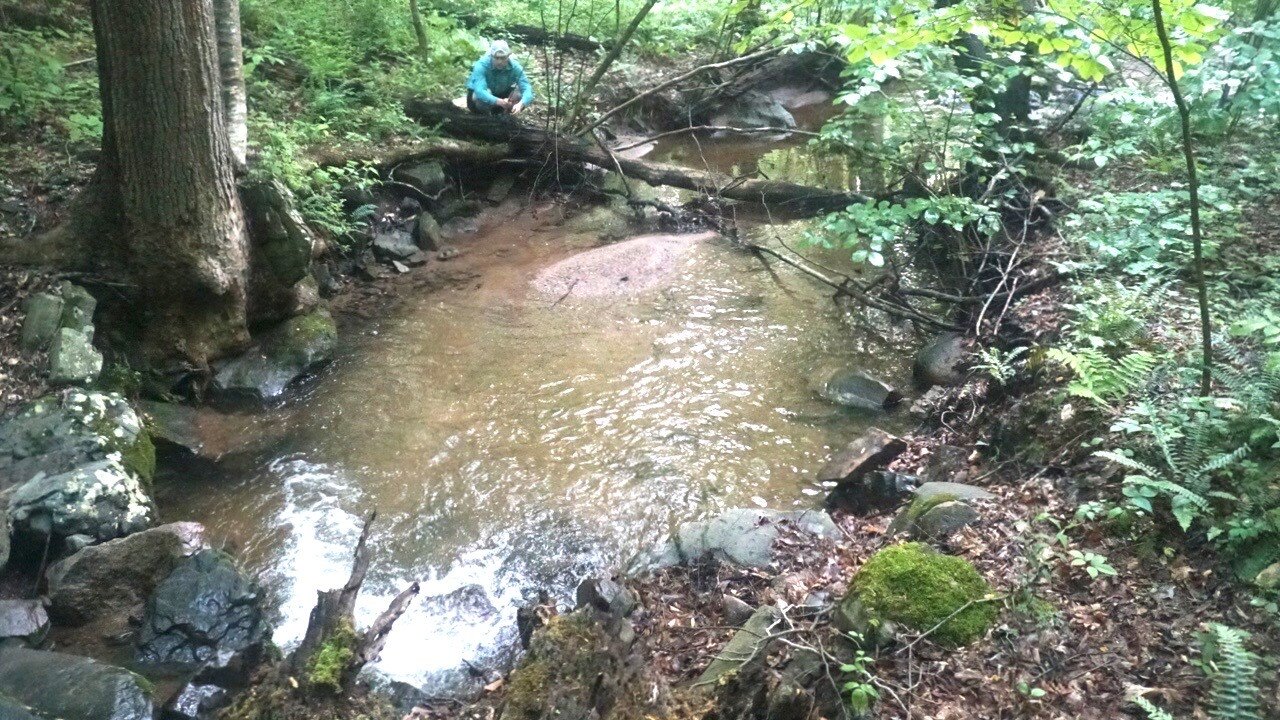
x=486, y=79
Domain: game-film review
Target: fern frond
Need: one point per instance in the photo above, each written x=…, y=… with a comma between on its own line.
x=1234, y=695
x=1153, y=712
x=1127, y=462
x=1175, y=491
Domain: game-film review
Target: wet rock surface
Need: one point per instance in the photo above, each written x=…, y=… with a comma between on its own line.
x=872, y=450
x=102, y=500
x=114, y=578
x=284, y=354
x=197, y=701
x=204, y=614
x=67, y=687
x=856, y=389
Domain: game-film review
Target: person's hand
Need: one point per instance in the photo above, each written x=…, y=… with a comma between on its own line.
x=504, y=103
x=517, y=108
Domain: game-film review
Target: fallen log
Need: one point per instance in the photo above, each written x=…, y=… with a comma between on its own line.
x=387, y=156
x=534, y=35
x=538, y=144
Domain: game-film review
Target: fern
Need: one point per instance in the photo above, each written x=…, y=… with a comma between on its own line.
x=1101, y=378
x=1234, y=694
x=1153, y=712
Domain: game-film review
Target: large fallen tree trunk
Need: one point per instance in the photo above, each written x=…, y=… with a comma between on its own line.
x=538, y=144
x=539, y=36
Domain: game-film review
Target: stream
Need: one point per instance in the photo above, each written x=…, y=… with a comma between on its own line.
x=514, y=437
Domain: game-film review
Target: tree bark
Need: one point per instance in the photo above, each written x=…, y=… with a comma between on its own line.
x=167, y=175
x=231, y=68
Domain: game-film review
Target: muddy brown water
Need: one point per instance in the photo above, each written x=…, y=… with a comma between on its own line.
x=514, y=436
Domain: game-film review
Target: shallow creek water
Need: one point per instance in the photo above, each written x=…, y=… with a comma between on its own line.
x=513, y=437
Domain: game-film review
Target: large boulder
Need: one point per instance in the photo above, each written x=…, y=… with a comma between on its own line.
x=913, y=587
x=102, y=500
x=68, y=687
x=206, y=614
x=11, y=709
x=856, y=389
x=941, y=361
x=65, y=431
x=285, y=353
x=744, y=537
x=754, y=109
x=280, y=253
x=116, y=577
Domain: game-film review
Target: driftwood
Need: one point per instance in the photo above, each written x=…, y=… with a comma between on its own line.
x=535, y=143
x=333, y=620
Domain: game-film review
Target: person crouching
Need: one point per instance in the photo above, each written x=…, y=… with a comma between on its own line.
x=498, y=84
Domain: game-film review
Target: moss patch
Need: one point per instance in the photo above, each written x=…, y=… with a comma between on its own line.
x=912, y=585
x=331, y=660
x=924, y=505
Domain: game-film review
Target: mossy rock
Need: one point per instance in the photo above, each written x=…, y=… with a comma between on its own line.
x=915, y=587
x=285, y=353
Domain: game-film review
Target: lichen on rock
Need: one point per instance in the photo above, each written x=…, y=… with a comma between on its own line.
x=913, y=586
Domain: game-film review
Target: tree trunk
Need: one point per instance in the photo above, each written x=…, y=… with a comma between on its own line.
x=231, y=68
x=585, y=92
x=415, y=14
x=332, y=625
x=167, y=171
x=1193, y=191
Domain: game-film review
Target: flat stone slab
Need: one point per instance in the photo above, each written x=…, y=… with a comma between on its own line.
x=745, y=646
x=744, y=537
x=874, y=449
x=626, y=268
x=25, y=620
x=953, y=491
